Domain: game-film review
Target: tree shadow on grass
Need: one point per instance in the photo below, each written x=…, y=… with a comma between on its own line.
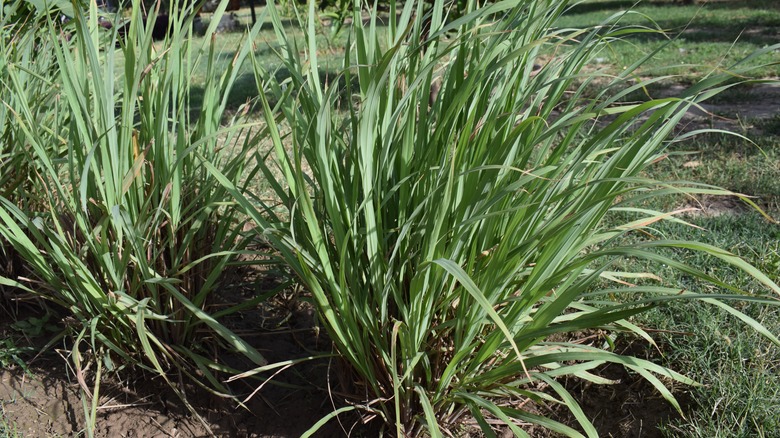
x=616, y=5
x=245, y=91
x=709, y=24
x=742, y=31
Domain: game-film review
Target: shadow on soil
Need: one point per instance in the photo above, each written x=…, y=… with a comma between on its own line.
x=46, y=399
x=631, y=408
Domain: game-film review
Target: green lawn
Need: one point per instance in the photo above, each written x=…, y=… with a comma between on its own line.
x=696, y=40
x=740, y=396
x=267, y=52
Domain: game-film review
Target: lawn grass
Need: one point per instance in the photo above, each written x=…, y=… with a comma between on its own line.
x=730, y=162
x=7, y=430
x=703, y=36
x=698, y=39
x=737, y=367
x=267, y=52
x=740, y=396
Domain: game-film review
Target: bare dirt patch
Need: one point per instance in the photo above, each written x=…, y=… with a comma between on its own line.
x=46, y=399
x=743, y=112
x=713, y=206
x=632, y=408
x=43, y=402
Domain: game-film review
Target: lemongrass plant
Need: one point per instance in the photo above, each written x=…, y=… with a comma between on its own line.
x=130, y=234
x=28, y=52
x=453, y=242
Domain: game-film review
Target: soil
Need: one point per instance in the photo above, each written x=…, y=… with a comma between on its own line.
x=756, y=104
x=45, y=399
x=632, y=408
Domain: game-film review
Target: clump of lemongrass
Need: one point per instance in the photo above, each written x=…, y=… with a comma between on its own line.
x=129, y=233
x=450, y=244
